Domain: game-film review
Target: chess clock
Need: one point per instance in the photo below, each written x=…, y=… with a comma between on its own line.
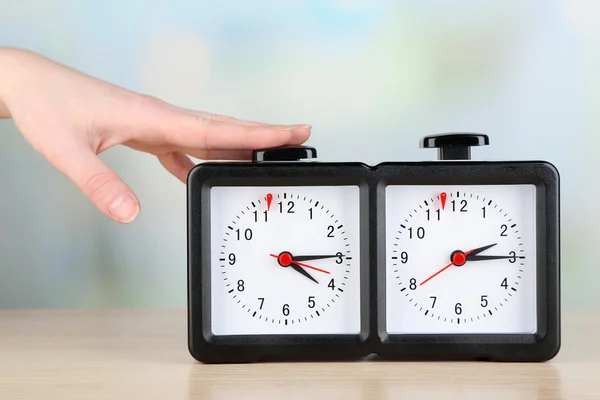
x=290, y=258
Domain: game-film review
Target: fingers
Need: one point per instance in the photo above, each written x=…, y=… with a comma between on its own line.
x=211, y=135
x=233, y=120
x=184, y=129
x=178, y=164
x=4, y=113
x=226, y=118
x=100, y=184
x=219, y=154
x=300, y=133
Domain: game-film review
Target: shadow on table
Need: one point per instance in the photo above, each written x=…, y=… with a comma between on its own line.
x=375, y=380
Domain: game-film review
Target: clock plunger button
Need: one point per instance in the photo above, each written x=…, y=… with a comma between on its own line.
x=458, y=258
x=286, y=153
x=285, y=259
x=454, y=146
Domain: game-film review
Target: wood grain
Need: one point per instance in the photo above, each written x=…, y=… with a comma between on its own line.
x=126, y=354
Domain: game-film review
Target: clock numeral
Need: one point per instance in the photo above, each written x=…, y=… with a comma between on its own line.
x=256, y=216
x=310, y=212
x=331, y=284
x=484, y=302
x=413, y=284
x=340, y=258
x=513, y=258
x=504, y=284
x=286, y=309
x=420, y=233
x=231, y=258
x=240, y=286
x=463, y=204
x=311, y=301
x=290, y=209
x=458, y=308
x=437, y=212
x=404, y=257
x=434, y=299
x=504, y=228
x=247, y=234
x=262, y=301
x=483, y=208
x=330, y=228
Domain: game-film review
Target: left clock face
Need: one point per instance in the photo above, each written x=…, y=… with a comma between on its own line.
x=285, y=260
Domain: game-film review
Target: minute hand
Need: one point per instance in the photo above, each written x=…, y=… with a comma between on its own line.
x=308, y=258
x=471, y=257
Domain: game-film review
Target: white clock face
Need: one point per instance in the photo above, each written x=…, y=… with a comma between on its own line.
x=285, y=260
x=460, y=259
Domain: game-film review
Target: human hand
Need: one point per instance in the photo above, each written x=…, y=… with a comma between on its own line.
x=70, y=118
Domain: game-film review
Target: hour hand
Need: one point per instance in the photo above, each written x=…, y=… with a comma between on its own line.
x=302, y=271
x=479, y=250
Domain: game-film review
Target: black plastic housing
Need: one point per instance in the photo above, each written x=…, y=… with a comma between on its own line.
x=373, y=339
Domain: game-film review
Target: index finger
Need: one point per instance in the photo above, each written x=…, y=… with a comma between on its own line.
x=190, y=130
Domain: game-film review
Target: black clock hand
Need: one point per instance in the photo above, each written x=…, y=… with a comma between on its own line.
x=485, y=258
x=308, y=258
x=302, y=271
x=479, y=250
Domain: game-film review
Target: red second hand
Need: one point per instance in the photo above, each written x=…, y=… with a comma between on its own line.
x=308, y=266
x=437, y=273
x=303, y=265
x=461, y=255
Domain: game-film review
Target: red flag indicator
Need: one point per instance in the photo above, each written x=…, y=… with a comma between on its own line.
x=269, y=200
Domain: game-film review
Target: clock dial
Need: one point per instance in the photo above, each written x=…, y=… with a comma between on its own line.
x=460, y=259
x=285, y=260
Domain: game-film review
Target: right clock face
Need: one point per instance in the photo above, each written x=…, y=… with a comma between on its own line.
x=460, y=259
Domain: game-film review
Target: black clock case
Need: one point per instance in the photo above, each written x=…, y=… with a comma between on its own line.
x=373, y=338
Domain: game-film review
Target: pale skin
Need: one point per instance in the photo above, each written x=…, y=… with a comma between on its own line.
x=70, y=118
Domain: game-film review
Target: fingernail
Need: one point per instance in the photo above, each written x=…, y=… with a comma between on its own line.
x=303, y=126
x=125, y=209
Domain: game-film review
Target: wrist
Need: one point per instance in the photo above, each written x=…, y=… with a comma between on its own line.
x=6, y=56
x=11, y=63
x=3, y=108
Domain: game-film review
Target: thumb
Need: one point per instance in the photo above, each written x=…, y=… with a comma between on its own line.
x=101, y=185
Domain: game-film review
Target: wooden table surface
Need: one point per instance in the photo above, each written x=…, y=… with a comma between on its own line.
x=87, y=354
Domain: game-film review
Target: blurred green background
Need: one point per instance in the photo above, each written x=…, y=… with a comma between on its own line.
x=371, y=76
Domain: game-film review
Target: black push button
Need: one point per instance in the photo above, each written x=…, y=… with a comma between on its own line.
x=295, y=153
x=454, y=146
